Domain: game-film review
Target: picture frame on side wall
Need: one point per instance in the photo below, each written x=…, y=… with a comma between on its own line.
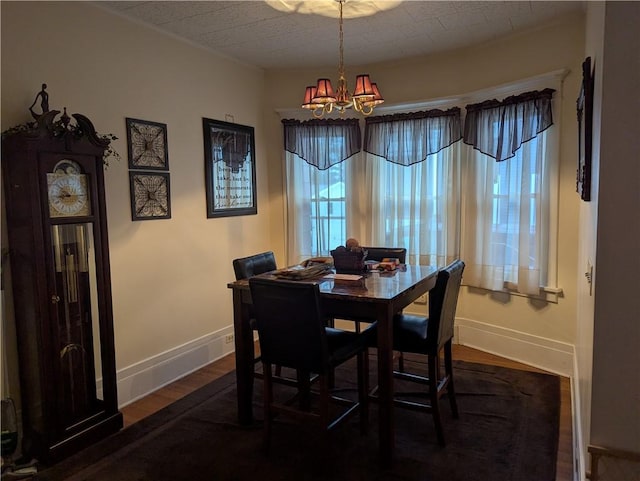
x=150, y=195
x=584, y=107
x=147, y=145
x=230, y=168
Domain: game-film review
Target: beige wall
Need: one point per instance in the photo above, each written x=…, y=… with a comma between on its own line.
x=169, y=276
x=457, y=73
x=588, y=215
x=615, y=409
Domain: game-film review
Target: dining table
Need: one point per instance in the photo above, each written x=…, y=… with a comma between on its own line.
x=373, y=295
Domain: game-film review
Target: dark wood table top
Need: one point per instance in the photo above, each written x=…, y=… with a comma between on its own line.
x=372, y=287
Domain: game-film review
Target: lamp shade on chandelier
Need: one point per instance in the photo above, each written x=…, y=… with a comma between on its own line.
x=321, y=99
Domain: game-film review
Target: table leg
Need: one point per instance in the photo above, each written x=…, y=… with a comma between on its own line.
x=385, y=385
x=243, y=336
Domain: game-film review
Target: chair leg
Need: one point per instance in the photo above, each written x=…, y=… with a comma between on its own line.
x=304, y=389
x=331, y=378
x=324, y=402
x=268, y=400
x=434, y=396
x=448, y=367
x=363, y=390
x=400, y=361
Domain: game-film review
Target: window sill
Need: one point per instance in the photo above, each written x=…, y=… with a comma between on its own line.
x=547, y=294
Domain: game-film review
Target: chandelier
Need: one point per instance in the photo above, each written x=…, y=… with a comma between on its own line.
x=321, y=98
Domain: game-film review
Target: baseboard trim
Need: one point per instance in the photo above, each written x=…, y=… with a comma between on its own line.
x=143, y=378
x=579, y=455
x=553, y=356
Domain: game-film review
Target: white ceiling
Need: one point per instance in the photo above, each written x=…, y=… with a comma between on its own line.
x=257, y=34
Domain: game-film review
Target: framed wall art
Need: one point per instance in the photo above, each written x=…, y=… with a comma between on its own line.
x=230, y=168
x=147, y=145
x=150, y=195
x=584, y=105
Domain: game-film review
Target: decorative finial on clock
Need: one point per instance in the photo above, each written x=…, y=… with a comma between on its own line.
x=65, y=119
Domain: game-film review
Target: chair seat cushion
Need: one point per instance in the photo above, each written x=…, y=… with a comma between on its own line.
x=410, y=333
x=345, y=344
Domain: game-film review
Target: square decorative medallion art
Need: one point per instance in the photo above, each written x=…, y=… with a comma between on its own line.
x=147, y=145
x=150, y=195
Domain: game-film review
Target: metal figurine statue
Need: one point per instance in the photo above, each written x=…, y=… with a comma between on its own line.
x=44, y=103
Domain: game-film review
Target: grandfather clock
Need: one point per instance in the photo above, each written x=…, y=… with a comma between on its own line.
x=59, y=254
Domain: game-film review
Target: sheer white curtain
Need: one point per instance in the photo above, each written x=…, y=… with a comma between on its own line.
x=413, y=184
x=316, y=208
x=487, y=201
x=317, y=184
x=416, y=206
x=506, y=203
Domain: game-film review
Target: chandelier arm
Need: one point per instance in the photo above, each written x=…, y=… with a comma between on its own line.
x=366, y=110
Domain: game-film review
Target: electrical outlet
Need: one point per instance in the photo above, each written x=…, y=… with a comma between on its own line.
x=228, y=339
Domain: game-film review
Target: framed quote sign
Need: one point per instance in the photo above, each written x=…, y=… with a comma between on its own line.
x=230, y=168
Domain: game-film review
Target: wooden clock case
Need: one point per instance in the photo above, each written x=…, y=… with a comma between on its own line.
x=61, y=285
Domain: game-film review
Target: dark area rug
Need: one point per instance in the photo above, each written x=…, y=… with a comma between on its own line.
x=507, y=431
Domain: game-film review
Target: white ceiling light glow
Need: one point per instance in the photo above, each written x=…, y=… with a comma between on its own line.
x=326, y=8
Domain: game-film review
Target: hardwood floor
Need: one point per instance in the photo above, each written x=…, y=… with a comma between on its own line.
x=165, y=396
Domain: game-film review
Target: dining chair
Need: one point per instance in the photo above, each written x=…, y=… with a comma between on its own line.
x=378, y=254
x=249, y=266
x=431, y=336
x=253, y=265
x=293, y=332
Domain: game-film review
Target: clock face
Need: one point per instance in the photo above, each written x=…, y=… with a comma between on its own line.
x=147, y=144
x=68, y=195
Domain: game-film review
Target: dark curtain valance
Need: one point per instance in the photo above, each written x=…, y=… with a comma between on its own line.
x=407, y=139
x=322, y=142
x=499, y=128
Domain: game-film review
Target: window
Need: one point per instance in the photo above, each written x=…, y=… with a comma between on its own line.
x=418, y=206
x=327, y=217
x=317, y=183
x=506, y=233
x=486, y=200
x=506, y=196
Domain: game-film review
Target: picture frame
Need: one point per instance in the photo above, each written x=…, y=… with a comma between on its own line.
x=230, y=168
x=150, y=195
x=147, y=145
x=584, y=108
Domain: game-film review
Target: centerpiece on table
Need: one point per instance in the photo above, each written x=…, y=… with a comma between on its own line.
x=350, y=257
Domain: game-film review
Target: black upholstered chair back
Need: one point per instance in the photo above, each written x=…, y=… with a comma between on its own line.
x=443, y=299
x=379, y=253
x=250, y=266
x=290, y=324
